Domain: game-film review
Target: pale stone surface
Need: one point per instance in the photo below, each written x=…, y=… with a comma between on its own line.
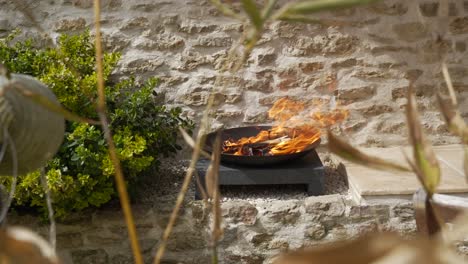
x=365, y=56
x=368, y=182
x=255, y=231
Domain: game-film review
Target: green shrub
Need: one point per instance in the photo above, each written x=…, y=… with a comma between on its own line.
x=81, y=173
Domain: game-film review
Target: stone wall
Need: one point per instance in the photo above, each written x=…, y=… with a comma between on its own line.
x=255, y=231
x=366, y=56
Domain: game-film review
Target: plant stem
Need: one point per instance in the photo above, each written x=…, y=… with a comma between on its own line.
x=101, y=109
x=50, y=209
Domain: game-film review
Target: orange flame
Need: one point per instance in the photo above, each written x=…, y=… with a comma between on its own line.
x=299, y=127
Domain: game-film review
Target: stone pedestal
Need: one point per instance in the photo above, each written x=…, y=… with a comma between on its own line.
x=308, y=171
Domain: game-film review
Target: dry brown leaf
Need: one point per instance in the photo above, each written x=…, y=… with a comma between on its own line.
x=454, y=120
x=424, y=156
x=465, y=164
x=21, y=246
x=211, y=177
x=364, y=250
x=375, y=248
x=348, y=152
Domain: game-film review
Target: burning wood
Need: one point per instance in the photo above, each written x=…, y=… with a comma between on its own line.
x=298, y=129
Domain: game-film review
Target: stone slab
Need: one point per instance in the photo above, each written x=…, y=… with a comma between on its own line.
x=369, y=182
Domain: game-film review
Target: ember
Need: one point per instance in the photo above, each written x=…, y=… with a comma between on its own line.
x=298, y=128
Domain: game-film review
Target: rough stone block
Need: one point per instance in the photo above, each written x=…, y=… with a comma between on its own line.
x=213, y=41
x=69, y=240
x=311, y=67
x=136, y=23
x=70, y=25
x=316, y=231
x=89, y=256
x=357, y=93
x=194, y=27
x=243, y=212
x=429, y=9
x=405, y=212
x=327, y=205
x=459, y=25
x=393, y=9
x=411, y=32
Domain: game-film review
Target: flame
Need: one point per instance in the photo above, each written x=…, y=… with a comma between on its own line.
x=299, y=126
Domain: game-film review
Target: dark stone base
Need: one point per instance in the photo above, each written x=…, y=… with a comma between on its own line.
x=307, y=171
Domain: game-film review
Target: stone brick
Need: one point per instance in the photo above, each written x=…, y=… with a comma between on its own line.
x=196, y=98
x=413, y=74
x=255, y=117
x=453, y=9
x=121, y=259
x=148, y=7
x=379, y=212
x=394, y=9
x=259, y=238
x=136, y=23
x=331, y=44
x=69, y=240
x=280, y=244
x=288, y=30
x=459, y=25
x=411, y=32
x=70, y=25
x=228, y=114
x=344, y=63
x=460, y=46
x=243, y=212
x=266, y=59
x=391, y=49
x=213, y=41
x=94, y=256
x=115, y=42
x=369, y=109
x=328, y=205
x=259, y=85
x=192, y=60
x=373, y=74
x=115, y=236
x=287, y=84
x=142, y=65
x=356, y=93
x=311, y=67
x=284, y=213
x=405, y=212
x=4, y=25
x=429, y=9
x=191, y=27
x=245, y=259
x=161, y=42
x=315, y=231
x=186, y=240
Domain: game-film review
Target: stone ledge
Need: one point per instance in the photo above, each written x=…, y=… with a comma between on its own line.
x=369, y=184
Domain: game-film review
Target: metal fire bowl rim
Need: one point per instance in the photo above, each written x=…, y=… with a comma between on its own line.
x=253, y=160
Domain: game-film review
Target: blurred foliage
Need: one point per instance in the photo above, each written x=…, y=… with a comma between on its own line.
x=80, y=175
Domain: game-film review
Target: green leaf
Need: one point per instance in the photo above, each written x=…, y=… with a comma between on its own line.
x=454, y=120
x=424, y=156
x=268, y=9
x=254, y=14
x=313, y=6
x=226, y=10
x=348, y=152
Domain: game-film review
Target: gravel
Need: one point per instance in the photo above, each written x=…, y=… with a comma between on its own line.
x=168, y=180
